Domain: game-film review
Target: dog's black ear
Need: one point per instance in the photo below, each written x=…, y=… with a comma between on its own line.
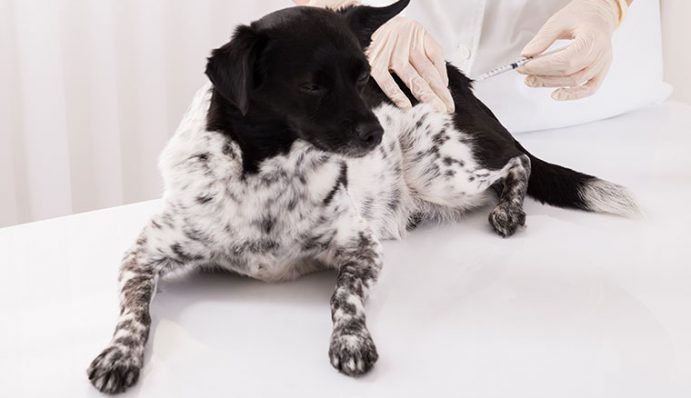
x=364, y=20
x=231, y=67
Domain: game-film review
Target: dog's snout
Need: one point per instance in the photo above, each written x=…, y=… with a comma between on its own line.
x=370, y=132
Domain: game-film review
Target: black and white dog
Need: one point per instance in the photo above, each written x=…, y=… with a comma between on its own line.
x=292, y=160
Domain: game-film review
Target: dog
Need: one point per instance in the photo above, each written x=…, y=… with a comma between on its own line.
x=292, y=160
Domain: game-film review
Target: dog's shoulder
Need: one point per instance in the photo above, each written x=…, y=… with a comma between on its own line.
x=194, y=158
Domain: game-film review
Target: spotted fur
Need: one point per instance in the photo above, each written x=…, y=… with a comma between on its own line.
x=304, y=204
x=251, y=193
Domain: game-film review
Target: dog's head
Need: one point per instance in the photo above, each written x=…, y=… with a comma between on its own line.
x=306, y=66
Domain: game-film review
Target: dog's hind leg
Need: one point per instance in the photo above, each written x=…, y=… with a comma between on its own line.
x=508, y=215
x=453, y=169
x=159, y=250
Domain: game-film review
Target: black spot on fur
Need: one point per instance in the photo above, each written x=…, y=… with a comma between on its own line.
x=267, y=224
x=341, y=180
x=420, y=122
x=203, y=156
x=440, y=138
x=394, y=200
x=318, y=242
x=194, y=234
x=449, y=161
x=167, y=220
x=292, y=203
x=182, y=255
x=203, y=199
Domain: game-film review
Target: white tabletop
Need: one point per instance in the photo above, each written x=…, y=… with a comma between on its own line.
x=576, y=305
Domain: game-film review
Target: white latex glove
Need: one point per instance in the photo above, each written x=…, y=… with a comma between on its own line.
x=404, y=47
x=580, y=68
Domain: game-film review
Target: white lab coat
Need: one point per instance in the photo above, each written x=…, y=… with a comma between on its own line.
x=479, y=35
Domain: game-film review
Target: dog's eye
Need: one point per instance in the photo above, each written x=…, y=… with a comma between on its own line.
x=311, y=88
x=363, y=78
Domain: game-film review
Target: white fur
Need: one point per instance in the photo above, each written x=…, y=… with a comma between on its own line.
x=605, y=197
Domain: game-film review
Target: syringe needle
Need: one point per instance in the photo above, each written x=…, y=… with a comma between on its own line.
x=514, y=65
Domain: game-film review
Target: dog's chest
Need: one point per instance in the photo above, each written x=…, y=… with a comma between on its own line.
x=262, y=224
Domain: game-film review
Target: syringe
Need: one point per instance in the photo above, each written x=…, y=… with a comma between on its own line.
x=514, y=65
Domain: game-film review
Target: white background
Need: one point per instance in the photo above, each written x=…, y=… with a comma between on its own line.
x=91, y=91
x=676, y=30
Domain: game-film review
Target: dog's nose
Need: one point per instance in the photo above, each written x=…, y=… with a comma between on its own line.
x=370, y=132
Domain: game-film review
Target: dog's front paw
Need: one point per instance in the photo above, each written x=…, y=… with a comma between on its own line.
x=352, y=351
x=114, y=370
x=505, y=219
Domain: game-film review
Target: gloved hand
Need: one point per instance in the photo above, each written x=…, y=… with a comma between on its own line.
x=580, y=68
x=404, y=47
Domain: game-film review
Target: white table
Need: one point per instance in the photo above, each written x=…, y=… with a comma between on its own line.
x=577, y=305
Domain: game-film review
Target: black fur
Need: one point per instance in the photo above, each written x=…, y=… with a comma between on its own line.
x=271, y=88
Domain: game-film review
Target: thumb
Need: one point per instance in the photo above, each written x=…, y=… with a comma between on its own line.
x=544, y=38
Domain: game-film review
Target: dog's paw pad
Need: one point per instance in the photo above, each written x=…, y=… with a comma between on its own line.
x=114, y=370
x=353, y=354
x=506, y=219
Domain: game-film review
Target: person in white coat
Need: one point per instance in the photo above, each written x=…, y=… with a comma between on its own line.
x=478, y=35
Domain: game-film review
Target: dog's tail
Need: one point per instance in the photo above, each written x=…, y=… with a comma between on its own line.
x=563, y=187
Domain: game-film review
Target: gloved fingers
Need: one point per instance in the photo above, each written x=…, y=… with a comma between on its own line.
x=431, y=75
x=389, y=86
x=418, y=86
x=579, y=92
x=590, y=87
x=444, y=94
x=545, y=37
x=577, y=56
x=436, y=54
x=573, y=80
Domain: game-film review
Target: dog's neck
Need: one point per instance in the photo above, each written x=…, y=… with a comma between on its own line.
x=259, y=134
